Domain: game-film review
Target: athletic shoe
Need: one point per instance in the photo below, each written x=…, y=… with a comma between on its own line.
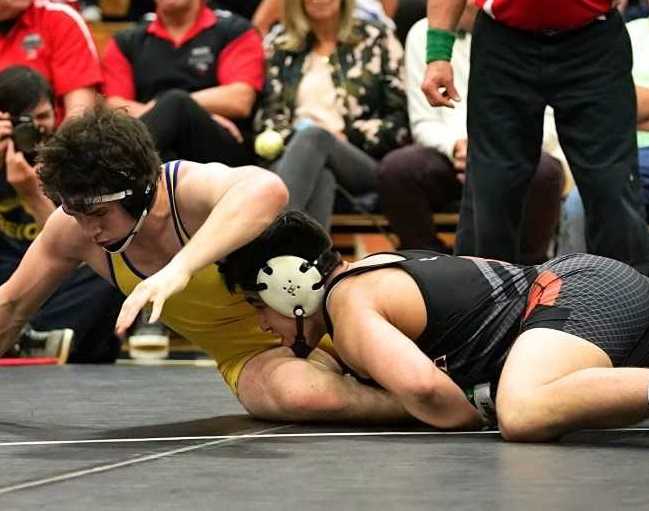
x=47, y=343
x=148, y=341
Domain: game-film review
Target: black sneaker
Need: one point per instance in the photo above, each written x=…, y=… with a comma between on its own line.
x=148, y=341
x=46, y=343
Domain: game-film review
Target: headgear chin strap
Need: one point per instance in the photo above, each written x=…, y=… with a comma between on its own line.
x=294, y=287
x=122, y=245
x=136, y=205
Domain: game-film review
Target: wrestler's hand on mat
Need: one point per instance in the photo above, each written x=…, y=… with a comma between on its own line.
x=155, y=290
x=438, y=85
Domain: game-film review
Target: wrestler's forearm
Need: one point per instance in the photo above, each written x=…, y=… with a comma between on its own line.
x=363, y=403
x=444, y=408
x=11, y=325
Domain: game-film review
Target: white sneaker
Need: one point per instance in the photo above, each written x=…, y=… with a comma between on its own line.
x=46, y=343
x=148, y=341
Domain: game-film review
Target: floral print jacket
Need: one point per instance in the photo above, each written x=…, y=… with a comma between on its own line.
x=368, y=77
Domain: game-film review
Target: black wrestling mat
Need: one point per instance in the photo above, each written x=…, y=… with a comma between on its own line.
x=173, y=438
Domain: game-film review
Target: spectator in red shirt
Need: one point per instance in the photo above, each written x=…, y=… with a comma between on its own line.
x=190, y=67
x=51, y=38
x=575, y=56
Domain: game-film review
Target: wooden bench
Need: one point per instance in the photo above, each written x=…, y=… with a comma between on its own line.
x=103, y=31
x=356, y=235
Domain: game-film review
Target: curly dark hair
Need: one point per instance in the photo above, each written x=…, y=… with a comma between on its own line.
x=103, y=151
x=292, y=233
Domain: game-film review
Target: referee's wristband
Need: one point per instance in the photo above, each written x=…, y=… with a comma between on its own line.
x=439, y=45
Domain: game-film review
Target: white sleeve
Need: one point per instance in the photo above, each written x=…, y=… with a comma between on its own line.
x=431, y=127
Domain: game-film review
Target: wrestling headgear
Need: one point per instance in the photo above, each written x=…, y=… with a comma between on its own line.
x=293, y=286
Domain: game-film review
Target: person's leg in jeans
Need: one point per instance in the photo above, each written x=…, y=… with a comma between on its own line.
x=542, y=210
x=595, y=109
x=181, y=128
x=89, y=305
x=414, y=182
x=505, y=126
x=321, y=204
x=313, y=151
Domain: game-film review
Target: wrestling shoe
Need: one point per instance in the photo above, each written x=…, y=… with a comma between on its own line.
x=148, y=341
x=46, y=343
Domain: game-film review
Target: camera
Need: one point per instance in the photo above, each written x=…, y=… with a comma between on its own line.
x=26, y=136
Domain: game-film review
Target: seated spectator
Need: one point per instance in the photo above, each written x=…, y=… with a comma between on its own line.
x=335, y=96
x=428, y=176
x=85, y=305
x=53, y=39
x=210, y=62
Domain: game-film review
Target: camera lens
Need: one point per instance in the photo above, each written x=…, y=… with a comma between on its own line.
x=26, y=135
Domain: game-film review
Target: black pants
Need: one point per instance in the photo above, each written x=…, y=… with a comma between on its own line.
x=87, y=304
x=585, y=75
x=182, y=129
x=417, y=181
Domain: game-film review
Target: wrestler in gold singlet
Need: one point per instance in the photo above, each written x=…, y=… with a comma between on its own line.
x=204, y=313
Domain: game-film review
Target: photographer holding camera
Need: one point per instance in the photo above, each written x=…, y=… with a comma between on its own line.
x=78, y=319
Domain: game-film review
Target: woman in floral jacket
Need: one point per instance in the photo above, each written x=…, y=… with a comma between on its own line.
x=335, y=95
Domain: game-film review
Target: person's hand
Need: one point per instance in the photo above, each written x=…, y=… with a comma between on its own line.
x=438, y=85
x=229, y=126
x=20, y=174
x=155, y=290
x=459, y=159
x=137, y=110
x=340, y=136
x=6, y=129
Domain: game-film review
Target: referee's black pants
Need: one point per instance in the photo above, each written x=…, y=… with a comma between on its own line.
x=585, y=75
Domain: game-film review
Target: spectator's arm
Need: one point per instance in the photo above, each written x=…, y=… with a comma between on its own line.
x=642, y=95
x=234, y=100
x=239, y=75
x=119, y=81
x=388, y=126
x=74, y=62
x=79, y=100
x=267, y=14
x=390, y=7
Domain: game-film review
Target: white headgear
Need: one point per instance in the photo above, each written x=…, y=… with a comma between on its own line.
x=292, y=286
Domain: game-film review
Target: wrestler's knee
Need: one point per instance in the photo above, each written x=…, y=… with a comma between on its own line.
x=522, y=419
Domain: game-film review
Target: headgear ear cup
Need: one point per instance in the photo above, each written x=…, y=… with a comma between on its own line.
x=290, y=282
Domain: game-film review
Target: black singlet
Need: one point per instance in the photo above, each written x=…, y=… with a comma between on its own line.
x=474, y=310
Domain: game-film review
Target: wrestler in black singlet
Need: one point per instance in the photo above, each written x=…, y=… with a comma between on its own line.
x=477, y=308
